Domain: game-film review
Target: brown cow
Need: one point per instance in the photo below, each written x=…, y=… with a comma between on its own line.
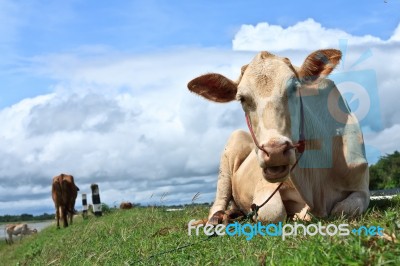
x=64, y=193
x=125, y=205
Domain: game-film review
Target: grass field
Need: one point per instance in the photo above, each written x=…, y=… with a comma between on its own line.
x=153, y=236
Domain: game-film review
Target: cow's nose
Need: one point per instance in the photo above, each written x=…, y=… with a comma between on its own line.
x=276, y=152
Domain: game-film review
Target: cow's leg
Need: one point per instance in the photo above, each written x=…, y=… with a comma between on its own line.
x=10, y=240
x=234, y=212
x=355, y=204
x=236, y=151
x=297, y=211
x=72, y=210
x=70, y=217
x=58, y=216
x=274, y=210
x=24, y=231
x=226, y=217
x=295, y=206
x=64, y=214
x=69, y=214
x=224, y=191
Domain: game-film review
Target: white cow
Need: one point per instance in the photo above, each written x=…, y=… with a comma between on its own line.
x=287, y=106
x=17, y=229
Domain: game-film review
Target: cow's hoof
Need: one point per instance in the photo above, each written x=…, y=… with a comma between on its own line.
x=344, y=209
x=234, y=215
x=216, y=218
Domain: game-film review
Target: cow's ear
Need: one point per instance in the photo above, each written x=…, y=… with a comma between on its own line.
x=318, y=65
x=214, y=87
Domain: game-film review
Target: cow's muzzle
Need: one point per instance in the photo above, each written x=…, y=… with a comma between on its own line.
x=277, y=158
x=276, y=173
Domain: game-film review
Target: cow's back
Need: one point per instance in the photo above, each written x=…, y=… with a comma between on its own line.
x=64, y=191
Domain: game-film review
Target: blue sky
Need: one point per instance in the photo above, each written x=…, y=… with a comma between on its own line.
x=32, y=28
x=98, y=88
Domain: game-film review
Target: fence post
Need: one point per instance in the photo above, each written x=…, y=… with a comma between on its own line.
x=84, y=206
x=96, y=200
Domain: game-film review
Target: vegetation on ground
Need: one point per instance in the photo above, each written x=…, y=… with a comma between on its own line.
x=155, y=236
x=152, y=235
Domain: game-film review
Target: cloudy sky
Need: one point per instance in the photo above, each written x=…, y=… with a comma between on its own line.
x=98, y=89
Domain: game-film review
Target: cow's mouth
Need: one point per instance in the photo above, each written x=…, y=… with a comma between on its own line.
x=276, y=173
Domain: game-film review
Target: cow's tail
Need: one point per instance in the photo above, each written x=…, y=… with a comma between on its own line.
x=67, y=191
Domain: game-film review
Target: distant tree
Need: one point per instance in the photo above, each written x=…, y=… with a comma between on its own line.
x=105, y=208
x=6, y=218
x=26, y=217
x=43, y=217
x=386, y=172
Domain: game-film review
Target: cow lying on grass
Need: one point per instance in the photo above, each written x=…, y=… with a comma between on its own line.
x=17, y=229
x=289, y=109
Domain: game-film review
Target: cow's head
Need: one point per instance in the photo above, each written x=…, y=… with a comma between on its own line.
x=268, y=89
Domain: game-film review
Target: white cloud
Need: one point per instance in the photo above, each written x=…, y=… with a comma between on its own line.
x=396, y=34
x=304, y=35
x=128, y=122
x=362, y=53
x=387, y=140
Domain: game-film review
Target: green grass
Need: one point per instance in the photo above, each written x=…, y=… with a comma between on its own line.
x=153, y=236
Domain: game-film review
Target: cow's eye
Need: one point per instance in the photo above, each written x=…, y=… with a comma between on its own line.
x=246, y=102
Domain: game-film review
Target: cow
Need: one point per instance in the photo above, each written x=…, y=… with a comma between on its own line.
x=64, y=193
x=125, y=205
x=302, y=135
x=17, y=229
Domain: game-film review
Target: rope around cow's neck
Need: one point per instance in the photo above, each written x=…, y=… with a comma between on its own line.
x=255, y=207
x=299, y=146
